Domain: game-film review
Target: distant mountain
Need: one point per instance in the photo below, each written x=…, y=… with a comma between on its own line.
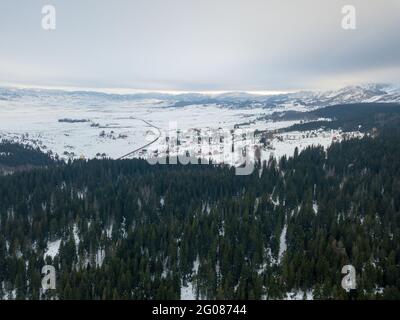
x=350, y=94
x=355, y=94
x=308, y=99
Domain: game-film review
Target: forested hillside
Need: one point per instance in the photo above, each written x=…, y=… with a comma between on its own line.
x=348, y=117
x=129, y=230
x=17, y=157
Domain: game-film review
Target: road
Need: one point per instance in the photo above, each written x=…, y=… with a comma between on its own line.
x=147, y=144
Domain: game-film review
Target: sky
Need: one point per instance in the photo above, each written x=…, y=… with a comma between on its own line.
x=193, y=45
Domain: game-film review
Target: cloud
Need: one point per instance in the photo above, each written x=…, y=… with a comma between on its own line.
x=199, y=45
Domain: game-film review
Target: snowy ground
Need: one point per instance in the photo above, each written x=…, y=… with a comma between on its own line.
x=299, y=295
x=114, y=129
x=188, y=291
x=52, y=249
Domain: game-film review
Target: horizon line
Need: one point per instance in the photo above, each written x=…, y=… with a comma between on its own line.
x=133, y=91
x=125, y=90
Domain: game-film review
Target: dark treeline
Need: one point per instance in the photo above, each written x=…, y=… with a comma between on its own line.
x=14, y=155
x=130, y=230
x=348, y=117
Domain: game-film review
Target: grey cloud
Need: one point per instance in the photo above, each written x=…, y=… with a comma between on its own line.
x=198, y=45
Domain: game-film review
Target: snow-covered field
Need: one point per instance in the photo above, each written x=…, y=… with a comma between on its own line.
x=79, y=127
x=113, y=130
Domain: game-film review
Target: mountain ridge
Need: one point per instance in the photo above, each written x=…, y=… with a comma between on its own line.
x=350, y=94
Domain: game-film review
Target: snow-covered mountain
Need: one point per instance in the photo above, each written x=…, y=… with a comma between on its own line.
x=350, y=94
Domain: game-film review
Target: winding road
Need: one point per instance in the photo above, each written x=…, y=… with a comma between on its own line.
x=146, y=145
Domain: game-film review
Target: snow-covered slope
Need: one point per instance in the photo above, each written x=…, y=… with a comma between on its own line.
x=350, y=94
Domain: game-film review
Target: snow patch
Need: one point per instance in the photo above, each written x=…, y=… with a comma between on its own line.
x=188, y=291
x=76, y=236
x=299, y=295
x=52, y=249
x=282, y=244
x=99, y=259
x=315, y=207
x=162, y=202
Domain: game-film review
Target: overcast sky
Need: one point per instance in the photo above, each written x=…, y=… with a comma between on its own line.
x=199, y=45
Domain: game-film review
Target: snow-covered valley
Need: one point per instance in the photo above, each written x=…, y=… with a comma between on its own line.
x=89, y=124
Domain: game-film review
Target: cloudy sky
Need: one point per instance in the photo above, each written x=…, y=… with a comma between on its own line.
x=193, y=45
